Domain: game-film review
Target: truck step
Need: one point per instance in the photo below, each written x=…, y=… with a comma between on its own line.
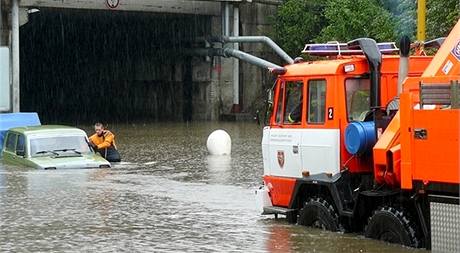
x=277, y=210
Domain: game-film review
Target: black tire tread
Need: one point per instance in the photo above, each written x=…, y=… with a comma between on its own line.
x=400, y=216
x=320, y=203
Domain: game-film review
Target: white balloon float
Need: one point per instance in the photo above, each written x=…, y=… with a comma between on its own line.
x=219, y=143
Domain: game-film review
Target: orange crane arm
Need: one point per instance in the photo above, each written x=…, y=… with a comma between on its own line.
x=446, y=62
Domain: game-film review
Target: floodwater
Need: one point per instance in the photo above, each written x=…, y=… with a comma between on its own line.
x=167, y=196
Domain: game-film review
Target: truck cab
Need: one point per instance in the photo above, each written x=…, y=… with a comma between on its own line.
x=313, y=104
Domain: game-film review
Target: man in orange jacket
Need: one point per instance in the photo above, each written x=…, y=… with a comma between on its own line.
x=103, y=141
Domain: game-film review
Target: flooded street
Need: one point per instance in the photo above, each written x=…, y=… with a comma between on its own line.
x=167, y=195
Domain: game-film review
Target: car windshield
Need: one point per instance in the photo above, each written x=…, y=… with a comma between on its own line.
x=57, y=144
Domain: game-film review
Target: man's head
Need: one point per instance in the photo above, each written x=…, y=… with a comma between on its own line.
x=99, y=128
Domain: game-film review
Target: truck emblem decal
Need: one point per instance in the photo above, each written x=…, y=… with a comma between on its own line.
x=280, y=158
x=112, y=4
x=456, y=51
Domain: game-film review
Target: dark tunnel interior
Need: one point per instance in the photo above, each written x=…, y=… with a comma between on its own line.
x=81, y=66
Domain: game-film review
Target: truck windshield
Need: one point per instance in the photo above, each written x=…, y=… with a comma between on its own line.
x=357, y=95
x=49, y=145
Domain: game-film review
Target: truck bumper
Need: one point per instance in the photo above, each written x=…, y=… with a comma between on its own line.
x=263, y=199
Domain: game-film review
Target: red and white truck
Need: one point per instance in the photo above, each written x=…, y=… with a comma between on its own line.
x=348, y=148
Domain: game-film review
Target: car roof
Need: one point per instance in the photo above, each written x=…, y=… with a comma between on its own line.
x=47, y=129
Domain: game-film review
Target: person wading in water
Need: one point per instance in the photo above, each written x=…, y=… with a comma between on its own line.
x=103, y=141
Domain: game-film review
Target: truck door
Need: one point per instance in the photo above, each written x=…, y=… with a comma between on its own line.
x=283, y=156
x=320, y=141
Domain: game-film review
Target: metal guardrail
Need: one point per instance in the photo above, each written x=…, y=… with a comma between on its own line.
x=336, y=48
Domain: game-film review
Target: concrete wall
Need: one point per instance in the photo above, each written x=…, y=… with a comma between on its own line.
x=254, y=21
x=160, y=6
x=213, y=78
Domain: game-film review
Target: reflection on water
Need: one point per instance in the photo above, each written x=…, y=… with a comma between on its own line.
x=285, y=237
x=219, y=168
x=167, y=195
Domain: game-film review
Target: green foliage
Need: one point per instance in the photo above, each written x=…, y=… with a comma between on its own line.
x=442, y=15
x=298, y=22
x=405, y=16
x=350, y=19
x=303, y=21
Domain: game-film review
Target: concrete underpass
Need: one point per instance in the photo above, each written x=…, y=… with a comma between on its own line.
x=82, y=65
x=89, y=65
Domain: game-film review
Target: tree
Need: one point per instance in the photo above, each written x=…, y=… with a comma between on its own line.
x=442, y=15
x=350, y=19
x=303, y=21
x=298, y=22
x=404, y=15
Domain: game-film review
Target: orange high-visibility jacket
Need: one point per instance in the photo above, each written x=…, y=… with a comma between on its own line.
x=105, y=141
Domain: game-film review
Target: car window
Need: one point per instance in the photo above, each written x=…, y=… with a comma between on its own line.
x=10, y=142
x=20, y=145
x=77, y=143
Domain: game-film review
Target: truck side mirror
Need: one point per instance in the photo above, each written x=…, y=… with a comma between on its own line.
x=268, y=106
x=270, y=96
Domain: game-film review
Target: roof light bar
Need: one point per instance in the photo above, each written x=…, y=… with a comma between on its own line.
x=335, y=48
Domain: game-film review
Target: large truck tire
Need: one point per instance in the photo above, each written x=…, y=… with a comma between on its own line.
x=392, y=225
x=291, y=217
x=318, y=213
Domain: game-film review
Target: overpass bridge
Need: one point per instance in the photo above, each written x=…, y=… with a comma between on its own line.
x=126, y=45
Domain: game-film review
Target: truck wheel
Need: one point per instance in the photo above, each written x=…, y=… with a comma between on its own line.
x=291, y=217
x=392, y=225
x=318, y=213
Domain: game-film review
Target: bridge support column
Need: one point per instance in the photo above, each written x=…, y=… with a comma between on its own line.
x=225, y=19
x=15, y=54
x=236, y=64
x=1, y=24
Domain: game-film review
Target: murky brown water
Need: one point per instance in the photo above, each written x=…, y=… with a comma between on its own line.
x=167, y=195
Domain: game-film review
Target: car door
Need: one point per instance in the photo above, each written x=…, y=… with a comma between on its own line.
x=9, y=151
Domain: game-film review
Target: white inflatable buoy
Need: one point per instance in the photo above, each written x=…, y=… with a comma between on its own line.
x=219, y=143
